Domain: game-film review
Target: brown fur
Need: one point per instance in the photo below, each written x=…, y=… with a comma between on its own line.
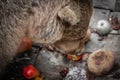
x=76, y=17
x=39, y=20
x=72, y=46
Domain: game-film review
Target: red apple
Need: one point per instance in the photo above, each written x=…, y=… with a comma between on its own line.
x=30, y=71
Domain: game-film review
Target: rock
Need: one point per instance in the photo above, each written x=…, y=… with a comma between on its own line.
x=100, y=62
x=106, y=4
x=97, y=15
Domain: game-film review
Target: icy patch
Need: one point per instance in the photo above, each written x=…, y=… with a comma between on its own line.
x=76, y=74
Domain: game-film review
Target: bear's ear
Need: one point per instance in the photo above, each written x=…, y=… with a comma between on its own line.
x=70, y=13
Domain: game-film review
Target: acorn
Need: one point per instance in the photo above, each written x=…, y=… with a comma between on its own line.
x=101, y=62
x=103, y=27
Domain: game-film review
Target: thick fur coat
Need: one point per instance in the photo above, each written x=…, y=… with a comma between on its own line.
x=43, y=21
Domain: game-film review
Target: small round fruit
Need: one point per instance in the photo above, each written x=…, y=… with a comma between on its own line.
x=30, y=71
x=103, y=27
